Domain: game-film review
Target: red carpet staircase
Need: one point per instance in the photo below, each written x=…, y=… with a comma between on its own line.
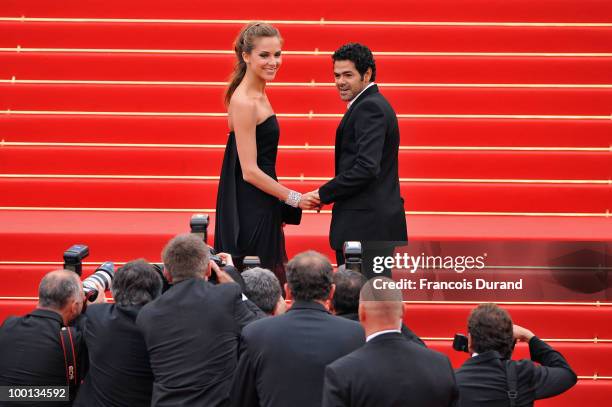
x=112, y=130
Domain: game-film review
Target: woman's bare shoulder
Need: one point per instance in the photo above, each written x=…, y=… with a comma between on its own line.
x=242, y=109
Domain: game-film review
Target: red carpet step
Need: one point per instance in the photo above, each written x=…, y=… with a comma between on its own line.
x=319, y=131
x=394, y=10
x=301, y=68
x=113, y=98
x=301, y=37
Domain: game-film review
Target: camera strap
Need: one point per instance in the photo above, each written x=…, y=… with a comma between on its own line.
x=512, y=380
x=67, y=341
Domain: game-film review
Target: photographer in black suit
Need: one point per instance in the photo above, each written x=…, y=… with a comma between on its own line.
x=389, y=370
x=283, y=358
x=192, y=330
x=31, y=348
x=119, y=369
x=366, y=189
x=485, y=378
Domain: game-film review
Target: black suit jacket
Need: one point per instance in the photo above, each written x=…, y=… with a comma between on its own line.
x=31, y=352
x=366, y=189
x=390, y=371
x=192, y=333
x=283, y=358
x=482, y=379
x=119, y=369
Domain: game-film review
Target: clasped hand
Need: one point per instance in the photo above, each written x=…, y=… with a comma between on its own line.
x=310, y=200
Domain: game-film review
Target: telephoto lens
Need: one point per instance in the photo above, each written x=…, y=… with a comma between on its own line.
x=103, y=275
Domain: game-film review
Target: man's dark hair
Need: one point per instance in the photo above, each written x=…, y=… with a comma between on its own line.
x=262, y=287
x=57, y=288
x=309, y=276
x=491, y=329
x=136, y=283
x=360, y=55
x=185, y=256
x=348, y=285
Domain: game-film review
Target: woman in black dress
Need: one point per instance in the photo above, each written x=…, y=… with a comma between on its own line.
x=250, y=201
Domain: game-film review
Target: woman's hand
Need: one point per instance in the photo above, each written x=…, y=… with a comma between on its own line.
x=309, y=201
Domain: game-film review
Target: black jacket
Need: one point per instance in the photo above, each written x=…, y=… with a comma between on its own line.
x=119, y=369
x=482, y=379
x=366, y=189
x=283, y=358
x=390, y=371
x=192, y=333
x=31, y=352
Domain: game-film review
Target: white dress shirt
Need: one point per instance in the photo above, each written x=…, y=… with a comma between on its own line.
x=388, y=331
x=348, y=106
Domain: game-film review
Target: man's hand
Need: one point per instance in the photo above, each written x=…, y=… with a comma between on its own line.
x=222, y=276
x=101, y=298
x=522, y=334
x=227, y=258
x=310, y=200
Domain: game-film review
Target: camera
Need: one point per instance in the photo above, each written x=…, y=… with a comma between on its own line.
x=159, y=268
x=353, y=256
x=73, y=258
x=460, y=343
x=199, y=225
x=250, y=262
x=103, y=275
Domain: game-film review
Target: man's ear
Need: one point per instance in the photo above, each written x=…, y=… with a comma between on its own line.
x=362, y=312
x=207, y=271
x=367, y=75
x=167, y=275
x=288, y=295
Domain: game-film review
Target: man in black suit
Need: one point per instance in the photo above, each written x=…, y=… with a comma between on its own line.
x=283, y=358
x=192, y=330
x=119, y=369
x=484, y=378
x=31, y=350
x=366, y=189
x=389, y=370
x=345, y=303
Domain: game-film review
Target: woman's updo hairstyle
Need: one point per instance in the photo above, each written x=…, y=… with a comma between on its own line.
x=245, y=42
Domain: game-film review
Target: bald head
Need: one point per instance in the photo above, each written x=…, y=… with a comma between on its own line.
x=380, y=307
x=58, y=288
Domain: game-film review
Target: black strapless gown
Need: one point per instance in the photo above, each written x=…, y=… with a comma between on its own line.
x=248, y=220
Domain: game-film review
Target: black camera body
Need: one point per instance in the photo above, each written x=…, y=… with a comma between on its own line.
x=73, y=258
x=159, y=268
x=460, y=343
x=199, y=225
x=250, y=262
x=353, y=256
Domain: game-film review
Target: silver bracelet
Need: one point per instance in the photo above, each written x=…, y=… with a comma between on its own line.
x=294, y=199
